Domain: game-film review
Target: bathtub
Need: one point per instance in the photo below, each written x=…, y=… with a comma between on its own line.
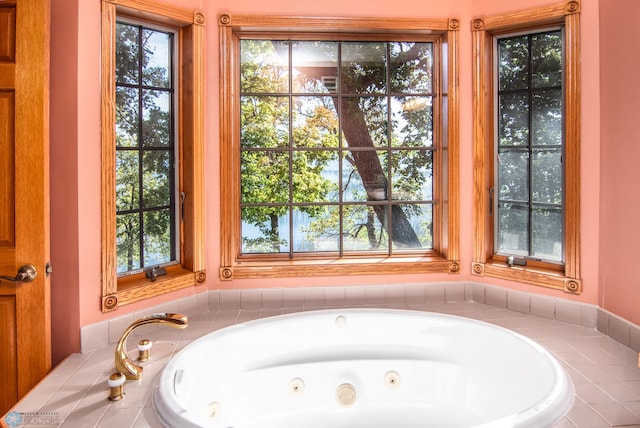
x=362, y=368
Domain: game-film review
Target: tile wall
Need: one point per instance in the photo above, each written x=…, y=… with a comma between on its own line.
x=100, y=334
x=598, y=349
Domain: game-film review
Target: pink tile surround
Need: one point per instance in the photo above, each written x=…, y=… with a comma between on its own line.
x=598, y=349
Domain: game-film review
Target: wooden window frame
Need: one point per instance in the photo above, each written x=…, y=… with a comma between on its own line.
x=444, y=257
x=485, y=262
x=189, y=25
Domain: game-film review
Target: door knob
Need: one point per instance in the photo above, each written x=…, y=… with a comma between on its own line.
x=26, y=273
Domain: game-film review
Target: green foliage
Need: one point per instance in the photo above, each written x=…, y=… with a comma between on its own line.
x=530, y=171
x=143, y=148
x=292, y=144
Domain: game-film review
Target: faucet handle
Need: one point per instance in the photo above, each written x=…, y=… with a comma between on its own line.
x=144, y=346
x=116, y=386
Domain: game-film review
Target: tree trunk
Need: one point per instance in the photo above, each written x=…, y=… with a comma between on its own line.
x=367, y=163
x=374, y=178
x=275, y=233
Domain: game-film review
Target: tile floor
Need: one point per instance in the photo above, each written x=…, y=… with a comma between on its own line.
x=605, y=373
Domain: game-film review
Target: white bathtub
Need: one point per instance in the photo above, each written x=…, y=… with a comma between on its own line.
x=362, y=368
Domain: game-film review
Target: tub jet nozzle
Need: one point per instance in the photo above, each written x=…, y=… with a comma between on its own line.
x=346, y=394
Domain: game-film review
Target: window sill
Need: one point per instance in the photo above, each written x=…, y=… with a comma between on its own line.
x=339, y=267
x=137, y=287
x=529, y=275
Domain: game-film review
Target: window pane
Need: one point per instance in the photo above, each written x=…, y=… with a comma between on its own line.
x=315, y=122
x=127, y=53
x=513, y=229
x=264, y=66
x=513, y=68
x=513, y=176
x=547, y=234
x=336, y=148
x=315, y=177
x=316, y=228
x=128, y=242
x=156, y=178
x=363, y=228
x=156, y=64
x=315, y=66
x=546, y=52
x=156, y=129
x=411, y=67
x=127, y=114
x=265, y=229
x=364, y=121
x=264, y=122
x=157, y=237
x=364, y=67
x=514, y=120
x=547, y=176
x=127, y=180
x=265, y=177
x=412, y=178
x=419, y=234
x=144, y=178
x=529, y=162
x=547, y=117
x=364, y=176
x=412, y=121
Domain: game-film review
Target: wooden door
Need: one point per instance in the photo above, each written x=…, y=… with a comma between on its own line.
x=25, y=331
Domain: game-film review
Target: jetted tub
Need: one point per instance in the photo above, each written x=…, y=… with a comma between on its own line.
x=362, y=368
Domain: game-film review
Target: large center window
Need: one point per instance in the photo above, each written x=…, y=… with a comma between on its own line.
x=339, y=146
x=337, y=141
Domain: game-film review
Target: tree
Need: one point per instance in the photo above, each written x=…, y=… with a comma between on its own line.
x=143, y=141
x=365, y=128
x=530, y=172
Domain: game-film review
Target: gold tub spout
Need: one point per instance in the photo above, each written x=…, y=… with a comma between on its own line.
x=123, y=364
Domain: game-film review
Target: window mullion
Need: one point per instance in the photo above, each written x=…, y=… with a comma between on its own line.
x=530, y=146
x=389, y=206
x=140, y=148
x=290, y=151
x=341, y=155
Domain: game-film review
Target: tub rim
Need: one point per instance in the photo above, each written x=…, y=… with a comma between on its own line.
x=548, y=410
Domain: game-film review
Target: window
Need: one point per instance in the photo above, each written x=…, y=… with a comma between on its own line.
x=152, y=144
x=339, y=151
x=346, y=148
x=529, y=191
x=146, y=218
x=526, y=134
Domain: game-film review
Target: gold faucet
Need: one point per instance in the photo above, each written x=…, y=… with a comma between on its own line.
x=123, y=364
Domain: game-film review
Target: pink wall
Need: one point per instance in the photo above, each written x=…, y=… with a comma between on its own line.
x=65, y=316
x=620, y=158
x=82, y=281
